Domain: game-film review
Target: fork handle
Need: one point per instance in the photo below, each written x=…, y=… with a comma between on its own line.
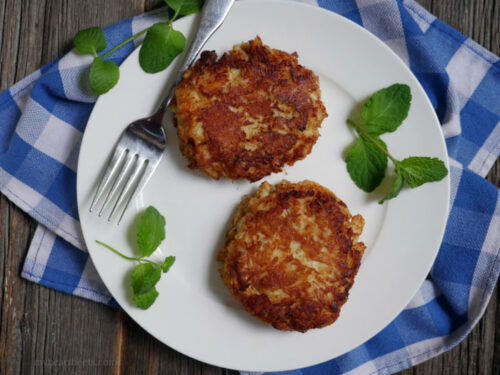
x=213, y=14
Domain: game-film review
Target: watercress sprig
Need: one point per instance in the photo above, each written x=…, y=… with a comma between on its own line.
x=162, y=44
x=145, y=276
x=367, y=158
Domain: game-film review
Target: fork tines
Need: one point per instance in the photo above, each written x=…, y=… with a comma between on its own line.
x=125, y=173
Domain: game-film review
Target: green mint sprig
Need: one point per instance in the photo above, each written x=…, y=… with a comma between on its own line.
x=367, y=158
x=145, y=276
x=162, y=44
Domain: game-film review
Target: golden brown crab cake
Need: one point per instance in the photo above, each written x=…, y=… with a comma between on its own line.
x=291, y=255
x=247, y=114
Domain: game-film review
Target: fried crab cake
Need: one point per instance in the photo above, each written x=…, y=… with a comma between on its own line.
x=291, y=255
x=247, y=114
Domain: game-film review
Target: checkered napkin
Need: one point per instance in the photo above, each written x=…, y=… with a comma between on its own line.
x=42, y=119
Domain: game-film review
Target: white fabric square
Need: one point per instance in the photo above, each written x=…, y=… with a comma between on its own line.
x=466, y=84
x=487, y=155
x=58, y=139
x=74, y=59
x=15, y=189
x=39, y=251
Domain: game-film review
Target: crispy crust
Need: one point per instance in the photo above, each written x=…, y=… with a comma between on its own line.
x=291, y=255
x=247, y=114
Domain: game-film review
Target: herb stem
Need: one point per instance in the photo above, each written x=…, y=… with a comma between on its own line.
x=363, y=132
x=147, y=261
x=117, y=252
x=125, y=42
x=126, y=257
x=174, y=16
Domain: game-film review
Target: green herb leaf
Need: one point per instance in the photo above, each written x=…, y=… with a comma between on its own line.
x=103, y=76
x=397, y=185
x=185, y=7
x=366, y=163
x=90, y=41
x=385, y=110
x=160, y=47
x=167, y=263
x=144, y=277
x=419, y=170
x=145, y=300
x=151, y=231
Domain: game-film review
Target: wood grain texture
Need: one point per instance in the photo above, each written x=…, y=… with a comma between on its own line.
x=44, y=331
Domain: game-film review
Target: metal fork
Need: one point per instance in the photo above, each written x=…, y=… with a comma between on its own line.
x=141, y=145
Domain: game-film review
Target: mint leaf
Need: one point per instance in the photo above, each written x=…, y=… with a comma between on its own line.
x=145, y=300
x=161, y=46
x=90, y=41
x=366, y=163
x=151, y=231
x=103, y=76
x=397, y=185
x=385, y=110
x=167, y=263
x=185, y=7
x=144, y=277
x=418, y=170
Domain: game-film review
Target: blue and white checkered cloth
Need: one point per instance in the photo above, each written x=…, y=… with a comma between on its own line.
x=42, y=119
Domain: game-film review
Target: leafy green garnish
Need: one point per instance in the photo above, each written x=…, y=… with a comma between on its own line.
x=417, y=171
x=385, y=110
x=366, y=163
x=145, y=276
x=151, y=231
x=185, y=7
x=396, y=187
x=145, y=300
x=90, y=41
x=161, y=46
x=367, y=158
x=167, y=263
x=103, y=76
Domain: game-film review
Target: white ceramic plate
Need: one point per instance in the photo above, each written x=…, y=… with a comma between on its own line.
x=195, y=313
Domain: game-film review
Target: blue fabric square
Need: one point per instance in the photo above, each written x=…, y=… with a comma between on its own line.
x=347, y=8
x=488, y=91
x=17, y=152
x=470, y=228
x=38, y=171
x=75, y=114
x=432, y=51
x=10, y=114
x=65, y=266
x=477, y=122
x=386, y=341
x=63, y=191
x=436, y=86
x=48, y=88
x=410, y=27
x=455, y=264
x=444, y=316
x=470, y=188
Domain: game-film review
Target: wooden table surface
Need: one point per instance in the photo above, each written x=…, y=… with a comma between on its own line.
x=45, y=331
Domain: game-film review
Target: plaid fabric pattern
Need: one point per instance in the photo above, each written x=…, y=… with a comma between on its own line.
x=43, y=118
